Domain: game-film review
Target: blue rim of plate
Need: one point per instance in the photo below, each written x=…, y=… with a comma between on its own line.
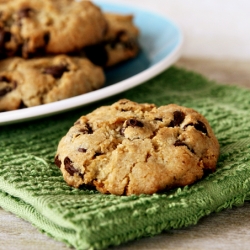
x=161, y=42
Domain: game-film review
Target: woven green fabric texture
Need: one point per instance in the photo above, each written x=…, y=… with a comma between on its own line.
x=32, y=187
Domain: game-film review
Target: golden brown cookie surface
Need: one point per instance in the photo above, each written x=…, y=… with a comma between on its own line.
x=130, y=148
x=120, y=42
x=32, y=28
x=44, y=80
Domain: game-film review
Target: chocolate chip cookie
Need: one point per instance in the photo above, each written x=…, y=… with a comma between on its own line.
x=130, y=148
x=33, y=28
x=27, y=83
x=120, y=42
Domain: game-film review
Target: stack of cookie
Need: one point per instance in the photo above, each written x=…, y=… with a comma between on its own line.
x=55, y=49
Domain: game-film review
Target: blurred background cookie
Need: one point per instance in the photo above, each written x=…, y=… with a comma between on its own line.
x=33, y=28
x=43, y=80
x=120, y=42
x=53, y=49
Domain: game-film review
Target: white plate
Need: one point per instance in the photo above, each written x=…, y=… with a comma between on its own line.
x=161, y=42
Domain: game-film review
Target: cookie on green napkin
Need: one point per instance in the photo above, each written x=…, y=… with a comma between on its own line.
x=31, y=186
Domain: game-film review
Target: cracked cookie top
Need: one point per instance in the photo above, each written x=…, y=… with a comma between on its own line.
x=130, y=148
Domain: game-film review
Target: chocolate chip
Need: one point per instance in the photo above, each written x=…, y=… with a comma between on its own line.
x=7, y=87
x=200, y=126
x=46, y=38
x=121, y=38
x=6, y=90
x=134, y=123
x=86, y=130
x=90, y=131
x=24, y=12
x=179, y=117
x=2, y=32
x=56, y=71
x=131, y=122
x=69, y=166
x=97, y=154
x=58, y=162
x=82, y=150
x=130, y=44
x=4, y=79
x=5, y=36
x=97, y=54
x=179, y=143
x=158, y=119
x=117, y=39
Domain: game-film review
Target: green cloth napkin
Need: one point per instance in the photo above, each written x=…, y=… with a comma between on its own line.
x=32, y=187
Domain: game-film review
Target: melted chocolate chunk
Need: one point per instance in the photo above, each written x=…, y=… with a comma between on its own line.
x=56, y=71
x=134, y=123
x=131, y=122
x=179, y=143
x=46, y=38
x=200, y=126
x=5, y=36
x=122, y=38
x=130, y=44
x=158, y=119
x=97, y=154
x=86, y=130
x=58, y=162
x=4, y=79
x=9, y=87
x=179, y=117
x=69, y=166
x=117, y=39
x=4, y=91
x=97, y=54
x=24, y=12
x=82, y=150
x=2, y=37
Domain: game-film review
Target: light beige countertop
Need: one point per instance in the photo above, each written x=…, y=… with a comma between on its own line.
x=229, y=229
